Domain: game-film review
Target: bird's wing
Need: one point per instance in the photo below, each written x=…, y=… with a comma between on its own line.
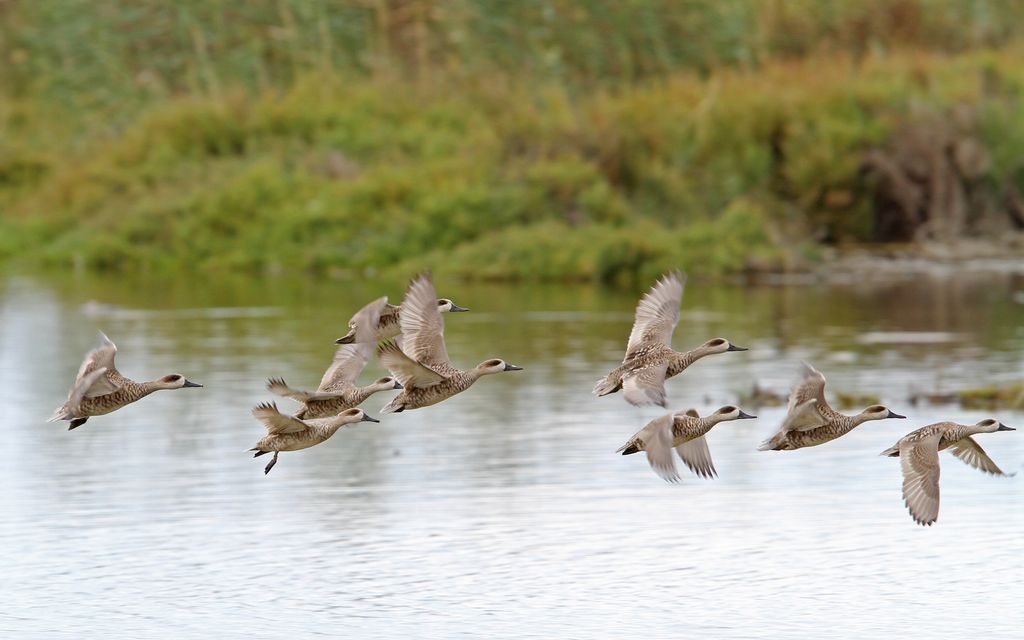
x=657, y=313
x=695, y=455
x=279, y=387
x=971, y=452
x=657, y=437
x=410, y=373
x=349, y=361
x=920, y=462
x=646, y=386
x=276, y=422
x=81, y=386
x=422, y=324
x=803, y=417
x=810, y=387
x=364, y=323
x=100, y=357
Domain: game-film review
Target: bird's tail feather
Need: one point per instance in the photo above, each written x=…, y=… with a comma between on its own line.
x=606, y=386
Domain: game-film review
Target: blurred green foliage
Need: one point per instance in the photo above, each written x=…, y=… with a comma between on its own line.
x=546, y=140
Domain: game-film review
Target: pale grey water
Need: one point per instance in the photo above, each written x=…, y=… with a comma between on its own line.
x=502, y=512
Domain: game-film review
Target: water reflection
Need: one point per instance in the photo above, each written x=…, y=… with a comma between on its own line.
x=502, y=510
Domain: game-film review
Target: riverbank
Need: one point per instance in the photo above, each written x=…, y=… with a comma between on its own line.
x=737, y=172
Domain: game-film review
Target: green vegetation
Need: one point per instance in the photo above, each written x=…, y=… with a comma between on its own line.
x=494, y=140
x=1010, y=396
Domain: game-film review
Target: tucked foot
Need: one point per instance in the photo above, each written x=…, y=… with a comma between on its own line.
x=77, y=422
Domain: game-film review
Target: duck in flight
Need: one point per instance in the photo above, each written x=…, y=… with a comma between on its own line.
x=810, y=420
x=650, y=358
x=338, y=390
x=422, y=365
x=100, y=388
x=918, y=452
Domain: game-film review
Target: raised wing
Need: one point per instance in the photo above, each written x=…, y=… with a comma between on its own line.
x=803, y=417
x=71, y=407
x=100, y=357
x=276, y=422
x=697, y=457
x=349, y=362
x=423, y=326
x=811, y=387
x=410, y=374
x=647, y=386
x=363, y=324
x=920, y=462
x=657, y=313
x=971, y=452
x=279, y=387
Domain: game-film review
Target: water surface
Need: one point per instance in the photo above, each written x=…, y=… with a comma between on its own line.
x=502, y=512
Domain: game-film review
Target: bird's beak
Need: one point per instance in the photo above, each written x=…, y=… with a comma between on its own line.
x=894, y=415
x=398, y=385
x=733, y=347
x=512, y=367
x=744, y=414
x=349, y=339
x=1003, y=427
x=367, y=418
x=456, y=308
x=189, y=383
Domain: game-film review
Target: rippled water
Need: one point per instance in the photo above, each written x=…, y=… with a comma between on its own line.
x=502, y=512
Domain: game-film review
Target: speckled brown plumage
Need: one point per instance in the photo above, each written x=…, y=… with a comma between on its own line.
x=287, y=433
x=422, y=364
x=389, y=325
x=338, y=390
x=684, y=432
x=650, y=358
x=100, y=388
x=918, y=452
x=810, y=420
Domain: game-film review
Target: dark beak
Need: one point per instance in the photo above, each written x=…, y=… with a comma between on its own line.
x=398, y=385
x=189, y=383
x=456, y=308
x=367, y=418
x=733, y=347
x=894, y=415
x=744, y=414
x=512, y=367
x=1003, y=427
x=349, y=339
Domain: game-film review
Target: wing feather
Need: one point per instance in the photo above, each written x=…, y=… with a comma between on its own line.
x=363, y=324
x=349, y=362
x=100, y=357
x=645, y=387
x=276, y=422
x=696, y=455
x=657, y=437
x=410, y=374
x=657, y=313
x=279, y=387
x=971, y=453
x=422, y=324
x=920, y=462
